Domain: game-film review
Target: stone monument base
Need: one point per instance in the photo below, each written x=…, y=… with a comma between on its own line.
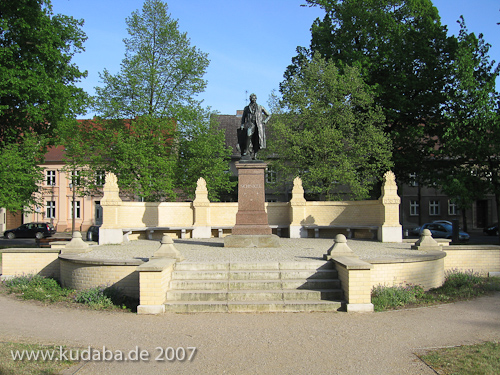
x=252, y=240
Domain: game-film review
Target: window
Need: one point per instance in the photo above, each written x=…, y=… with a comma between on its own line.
x=434, y=208
x=77, y=209
x=100, y=178
x=51, y=178
x=75, y=178
x=414, y=208
x=452, y=208
x=98, y=210
x=50, y=209
x=270, y=176
x=413, y=179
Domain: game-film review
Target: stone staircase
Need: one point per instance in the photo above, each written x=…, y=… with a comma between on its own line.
x=254, y=287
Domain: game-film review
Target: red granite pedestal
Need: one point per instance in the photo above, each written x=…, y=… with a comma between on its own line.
x=252, y=228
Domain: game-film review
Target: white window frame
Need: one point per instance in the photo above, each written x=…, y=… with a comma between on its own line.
x=77, y=209
x=414, y=208
x=50, y=178
x=100, y=178
x=452, y=208
x=75, y=176
x=50, y=209
x=434, y=208
x=413, y=180
x=271, y=176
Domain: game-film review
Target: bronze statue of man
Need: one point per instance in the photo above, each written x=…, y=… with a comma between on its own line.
x=252, y=128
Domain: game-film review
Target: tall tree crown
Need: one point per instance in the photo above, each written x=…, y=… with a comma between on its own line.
x=161, y=73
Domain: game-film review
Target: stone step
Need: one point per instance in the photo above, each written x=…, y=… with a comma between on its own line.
x=253, y=306
x=208, y=266
x=254, y=295
x=254, y=287
x=254, y=274
x=187, y=284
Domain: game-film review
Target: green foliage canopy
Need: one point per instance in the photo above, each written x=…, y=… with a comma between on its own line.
x=467, y=165
x=37, y=90
x=403, y=51
x=327, y=130
x=161, y=73
x=152, y=132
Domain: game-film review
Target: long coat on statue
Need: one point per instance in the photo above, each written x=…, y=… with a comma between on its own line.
x=253, y=118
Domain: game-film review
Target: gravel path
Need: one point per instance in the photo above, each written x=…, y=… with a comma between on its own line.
x=270, y=343
x=281, y=343
x=213, y=250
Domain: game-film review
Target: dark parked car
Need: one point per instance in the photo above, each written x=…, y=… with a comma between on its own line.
x=443, y=230
x=93, y=233
x=31, y=230
x=491, y=230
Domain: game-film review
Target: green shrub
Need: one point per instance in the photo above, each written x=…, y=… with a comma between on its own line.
x=458, y=279
x=95, y=297
x=384, y=297
x=458, y=285
x=37, y=287
x=103, y=297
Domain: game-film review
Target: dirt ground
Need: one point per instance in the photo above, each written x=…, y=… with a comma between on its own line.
x=279, y=343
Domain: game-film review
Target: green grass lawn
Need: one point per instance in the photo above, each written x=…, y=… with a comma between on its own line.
x=11, y=366
x=480, y=359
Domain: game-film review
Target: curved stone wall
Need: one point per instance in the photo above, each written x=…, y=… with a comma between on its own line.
x=426, y=270
x=79, y=274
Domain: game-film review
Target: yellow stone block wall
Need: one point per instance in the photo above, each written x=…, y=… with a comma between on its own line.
x=154, y=286
x=278, y=213
x=148, y=214
x=342, y=213
x=179, y=214
x=356, y=284
x=481, y=261
x=28, y=262
x=84, y=276
x=428, y=274
x=223, y=214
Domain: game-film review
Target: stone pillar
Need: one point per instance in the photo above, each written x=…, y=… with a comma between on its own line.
x=252, y=228
x=390, y=230
x=201, y=211
x=110, y=231
x=297, y=210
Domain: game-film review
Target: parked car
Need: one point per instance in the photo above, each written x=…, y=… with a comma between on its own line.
x=31, y=230
x=93, y=233
x=443, y=222
x=491, y=230
x=443, y=230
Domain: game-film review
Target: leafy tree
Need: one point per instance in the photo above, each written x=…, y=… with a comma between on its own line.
x=202, y=153
x=150, y=117
x=403, y=51
x=467, y=163
x=19, y=174
x=137, y=151
x=37, y=90
x=328, y=131
x=161, y=73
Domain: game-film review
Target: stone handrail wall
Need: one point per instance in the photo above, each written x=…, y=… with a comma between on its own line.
x=201, y=215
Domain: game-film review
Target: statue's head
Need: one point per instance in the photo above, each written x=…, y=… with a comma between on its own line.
x=253, y=98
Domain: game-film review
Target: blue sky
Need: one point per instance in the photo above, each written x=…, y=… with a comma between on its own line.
x=250, y=43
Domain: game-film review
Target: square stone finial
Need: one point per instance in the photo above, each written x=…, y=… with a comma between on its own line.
x=201, y=193
x=340, y=248
x=76, y=245
x=111, y=191
x=167, y=249
x=297, y=191
x=426, y=242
